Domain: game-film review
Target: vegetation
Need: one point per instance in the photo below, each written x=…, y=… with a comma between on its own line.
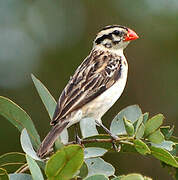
x=136, y=131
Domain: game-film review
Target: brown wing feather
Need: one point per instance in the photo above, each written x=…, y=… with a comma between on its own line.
x=97, y=73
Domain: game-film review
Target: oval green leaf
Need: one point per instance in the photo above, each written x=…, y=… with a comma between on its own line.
x=141, y=147
x=19, y=118
x=140, y=131
x=20, y=176
x=153, y=124
x=97, y=177
x=139, y=122
x=131, y=112
x=3, y=174
x=49, y=103
x=34, y=169
x=65, y=163
x=128, y=127
x=91, y=152
x=99, y=166
x=156, y=137
x=145, y=117
x=12, y=161
x=164, y=156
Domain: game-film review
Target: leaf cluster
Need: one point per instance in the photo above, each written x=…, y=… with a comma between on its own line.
x=136, y=132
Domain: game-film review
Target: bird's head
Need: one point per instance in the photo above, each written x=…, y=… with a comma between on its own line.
x=114, y=37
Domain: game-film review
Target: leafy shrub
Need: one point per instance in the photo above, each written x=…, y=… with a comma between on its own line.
x=136, y=133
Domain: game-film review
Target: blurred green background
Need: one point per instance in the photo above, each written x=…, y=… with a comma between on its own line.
x=51, y=38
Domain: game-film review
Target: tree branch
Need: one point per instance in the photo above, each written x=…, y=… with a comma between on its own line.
x=122, y=140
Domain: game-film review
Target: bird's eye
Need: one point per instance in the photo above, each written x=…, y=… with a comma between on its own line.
x=117, y=33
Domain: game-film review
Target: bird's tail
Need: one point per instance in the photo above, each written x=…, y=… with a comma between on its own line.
x=50, y=139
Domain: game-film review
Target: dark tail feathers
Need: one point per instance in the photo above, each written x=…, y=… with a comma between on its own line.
x=50, y=139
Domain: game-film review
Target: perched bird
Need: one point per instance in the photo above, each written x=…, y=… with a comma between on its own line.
x=96, y=84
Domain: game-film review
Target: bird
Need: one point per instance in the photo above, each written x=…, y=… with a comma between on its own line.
x=95, y=85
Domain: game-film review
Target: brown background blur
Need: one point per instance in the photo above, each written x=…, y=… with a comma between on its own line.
x=51, y=38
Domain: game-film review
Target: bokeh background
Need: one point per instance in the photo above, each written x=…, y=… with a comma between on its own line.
x=51, y=38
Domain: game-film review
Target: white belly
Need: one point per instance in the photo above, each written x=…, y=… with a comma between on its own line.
x=100, y=105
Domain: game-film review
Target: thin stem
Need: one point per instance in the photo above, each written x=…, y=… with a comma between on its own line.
x=22, y=168
x=127, y=142
x=123, y=140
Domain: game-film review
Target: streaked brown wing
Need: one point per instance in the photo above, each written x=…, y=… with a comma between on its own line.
x=98, y=72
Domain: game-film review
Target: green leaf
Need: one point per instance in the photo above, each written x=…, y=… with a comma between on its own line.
x=153, y=124
x=167, y=131
x=83, y=171
x=133, y=176
x=99, y=166
x=34, y=169
x=128, y=127
x=19, y=118
x=97, y=177
x=164, y=156
x=167, y=145
x=140, y=131
x=20, y=176
x=131, y=112
x=12, y=161
x=141, y=147
x=46, y=97
x=156, y=137
x=139, y=122
x=65, y=163
x=27, y=146
x=41, y=164
x=88, y=127
x=91, y=152
x=49, y=103
x=145, y=117
x=3, y=174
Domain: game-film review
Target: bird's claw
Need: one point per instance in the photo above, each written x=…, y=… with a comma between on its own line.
x=78, y=140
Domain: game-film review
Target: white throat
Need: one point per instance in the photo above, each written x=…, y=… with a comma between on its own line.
x=119, y=51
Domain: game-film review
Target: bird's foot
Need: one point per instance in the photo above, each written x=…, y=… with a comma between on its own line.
x=78, y=139
x=115, y=147
x=114, y=138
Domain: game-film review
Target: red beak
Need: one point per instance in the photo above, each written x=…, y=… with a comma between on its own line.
x=131, y=35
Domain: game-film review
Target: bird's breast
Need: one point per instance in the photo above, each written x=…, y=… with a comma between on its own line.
x=100, y=105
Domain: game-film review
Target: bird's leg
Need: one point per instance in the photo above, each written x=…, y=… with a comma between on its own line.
x=114, y=138
x=106, y=130
x=77, y=138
